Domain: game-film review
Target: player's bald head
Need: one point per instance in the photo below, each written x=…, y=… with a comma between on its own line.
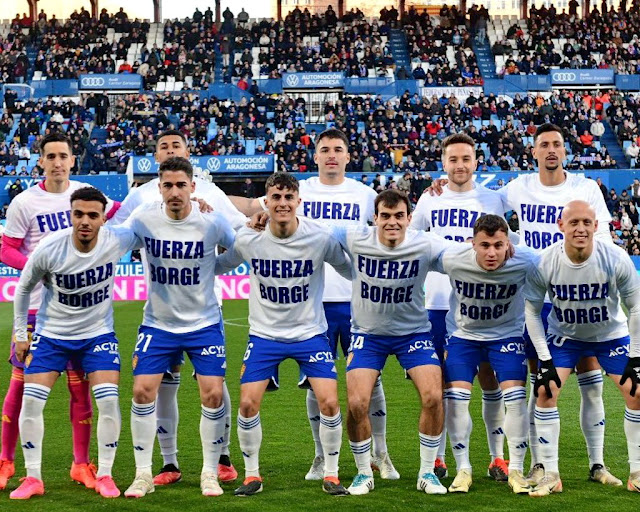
x=579, y=208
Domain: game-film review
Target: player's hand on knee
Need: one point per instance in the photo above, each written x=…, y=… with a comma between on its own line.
x=204, y=206
x=258, y=221
x=546, y=375
x=632, y=372
x=435, y=189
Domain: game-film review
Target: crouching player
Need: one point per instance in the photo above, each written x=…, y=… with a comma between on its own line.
x=75, y=322
x=286, y=320
x=389, y=266
x=586, y=279
x=486, y=320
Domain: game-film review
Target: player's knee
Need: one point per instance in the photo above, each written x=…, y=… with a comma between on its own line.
x=358, y=407
x=431, y=399
x=249, y=407
x=546, y=400
x=144, y=394
x=211, y=398
x=329, y=406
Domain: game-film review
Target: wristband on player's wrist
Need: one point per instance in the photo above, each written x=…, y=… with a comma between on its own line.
x=263, y=204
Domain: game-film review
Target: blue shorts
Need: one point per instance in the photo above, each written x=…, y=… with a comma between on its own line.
x=263, y=356
x=371, y=351
x=157, y=349
x=338, y=316
x=507, y=358
x=92, y=354
x=529, y=349
x=612, y=355
x=437, y=318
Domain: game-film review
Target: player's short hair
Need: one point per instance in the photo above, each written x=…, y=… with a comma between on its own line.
x=89, y=194
x=491, y=224
x=176, y=164
x=282, y=180
x=457, y=138
x=333, y=133
x=54, y=137
x=392, y=198
x=167, y=133
x=547, y=127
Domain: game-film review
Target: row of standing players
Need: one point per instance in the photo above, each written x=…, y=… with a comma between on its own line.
x=332, y=155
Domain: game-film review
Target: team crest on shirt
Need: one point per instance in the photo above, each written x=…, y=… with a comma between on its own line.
x=28, y=360
x=134, y=361
x=349, y=358
x=242, y=369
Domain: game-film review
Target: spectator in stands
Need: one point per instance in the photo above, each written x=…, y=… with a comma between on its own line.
x=14, y=189
x=248, y=187
x=633, y=150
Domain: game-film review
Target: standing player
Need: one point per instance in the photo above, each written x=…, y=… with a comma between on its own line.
x=336, y=200
x=181, y=314
x=486, y=320
x=586, y=280
x=453, y=215
x=172, y=143
x=32, y=216
x=389, y=266
x=539, y=199
x=287, y=274
x=74, y=322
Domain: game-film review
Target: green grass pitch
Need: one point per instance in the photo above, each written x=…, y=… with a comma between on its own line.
x=287, y=449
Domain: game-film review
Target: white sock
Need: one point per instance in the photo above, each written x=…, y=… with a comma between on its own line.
x=378, y=418
x=168, y=417
x=592, y=414
x=331, y=438
x=632, y=433
x=212, y=423
x=250, y=439
x=313, y=413
x=533, y=436
x=143, y=423
x=548, y=430
x=109, y=425
x=362, y=454
x=493, y=416
x=31, y=422
x=226, y=399
x=428, y=452
x=442, y=448
x=516, y=423
x=459, y=425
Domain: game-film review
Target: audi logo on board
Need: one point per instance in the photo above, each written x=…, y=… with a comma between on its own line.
x=92, y=81
x=564, y=76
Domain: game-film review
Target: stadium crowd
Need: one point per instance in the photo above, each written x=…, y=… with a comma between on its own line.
x=604, y=39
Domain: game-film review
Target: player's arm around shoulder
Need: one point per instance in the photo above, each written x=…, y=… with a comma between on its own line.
x=221, y=228
x=335, y=254
x=450, y=258
x=236, y=252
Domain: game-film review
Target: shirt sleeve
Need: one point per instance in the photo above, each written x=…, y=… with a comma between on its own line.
x=227, y=235
x=10, y=252
x=17, y=224
x=32, y=274
x=126, y=207
x=419, y=219
x=230, y=259
x=627, y=278
x=335, y=256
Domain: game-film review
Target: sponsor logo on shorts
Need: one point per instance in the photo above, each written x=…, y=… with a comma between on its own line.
x=622, y=350
x=213, y=350
x=420, y=345
x=28, y=360
x=518, y=348
x=134, y=361
x=349, y=358
x=318, y=357
x=107, y=346
x=242, y=369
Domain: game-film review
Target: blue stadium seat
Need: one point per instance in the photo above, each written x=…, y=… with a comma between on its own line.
x=250, y=146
